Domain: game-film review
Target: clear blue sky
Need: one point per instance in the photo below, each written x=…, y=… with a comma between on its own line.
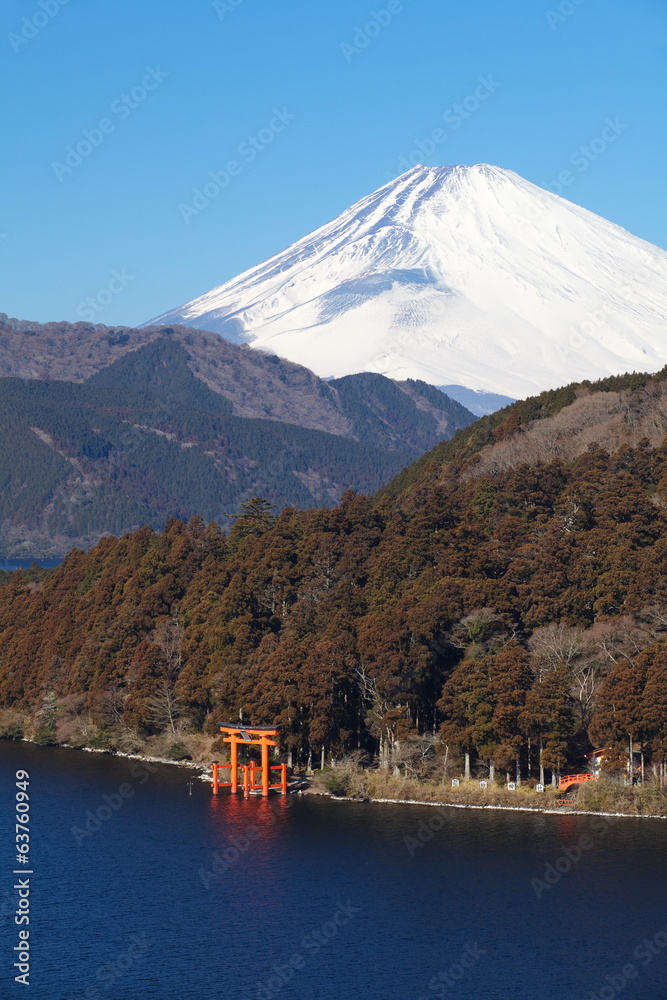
x=556, y=77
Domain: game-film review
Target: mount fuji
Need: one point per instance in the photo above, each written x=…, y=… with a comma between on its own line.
x=458, y=276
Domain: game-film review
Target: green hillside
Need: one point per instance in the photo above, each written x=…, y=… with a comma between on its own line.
x=145, y=440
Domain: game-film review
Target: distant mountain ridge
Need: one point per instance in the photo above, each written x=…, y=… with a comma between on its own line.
x=183, y=424
x=256, y=383
x=508, y=592
x=460, y=275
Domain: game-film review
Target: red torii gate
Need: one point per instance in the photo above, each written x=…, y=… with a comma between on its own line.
x=248, y=736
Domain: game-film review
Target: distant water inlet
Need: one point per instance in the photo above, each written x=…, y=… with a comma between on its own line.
x=10, y=565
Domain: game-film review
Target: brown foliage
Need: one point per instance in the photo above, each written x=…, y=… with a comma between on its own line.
x=517, y=610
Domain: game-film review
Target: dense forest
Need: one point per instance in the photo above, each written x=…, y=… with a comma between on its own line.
x=408, y=415
x=509, y=613
x=145, y=439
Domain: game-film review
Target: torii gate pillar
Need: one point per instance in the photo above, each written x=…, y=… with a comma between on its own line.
x=249, y=736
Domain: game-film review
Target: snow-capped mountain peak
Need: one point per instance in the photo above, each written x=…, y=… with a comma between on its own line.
x=463, y=275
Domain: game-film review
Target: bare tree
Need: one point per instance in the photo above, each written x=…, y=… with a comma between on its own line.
x=656, y=616
x=381, y=718
x=554, y=646
x=164, y=709
x=168, y=637
x=587, y=673
x=586, y=655
x=417, y=754
x=617, y=640
x=478, y=627
x=111, y=704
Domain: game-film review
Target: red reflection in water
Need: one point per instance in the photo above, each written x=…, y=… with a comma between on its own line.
x=251, y=832
x=251, y=859
x=568, y=824
x=233, y=813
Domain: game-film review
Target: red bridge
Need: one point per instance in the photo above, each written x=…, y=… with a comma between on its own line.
x=575, y=779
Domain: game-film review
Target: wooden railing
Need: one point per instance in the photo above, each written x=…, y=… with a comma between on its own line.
x=575, y=779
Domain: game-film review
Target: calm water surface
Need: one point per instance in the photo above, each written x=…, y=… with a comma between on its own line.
x=12, y=564
x=137, y=909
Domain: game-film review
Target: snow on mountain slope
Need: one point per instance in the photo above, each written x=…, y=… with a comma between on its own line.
x=454, y=275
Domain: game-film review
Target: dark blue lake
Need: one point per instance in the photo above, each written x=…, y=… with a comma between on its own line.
x=12, y=564
x=182, y=897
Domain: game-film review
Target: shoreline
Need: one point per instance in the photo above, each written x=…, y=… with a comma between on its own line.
x=191, y=764
x=205, y=776
x=484, y=807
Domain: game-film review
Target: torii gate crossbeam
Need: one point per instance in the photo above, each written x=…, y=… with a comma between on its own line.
x=260, y=736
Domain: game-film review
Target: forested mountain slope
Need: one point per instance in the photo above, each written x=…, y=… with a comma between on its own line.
x=145, y=439
x=256, y=384
x=558, y=424
x=134, y=447
x=521, y=612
